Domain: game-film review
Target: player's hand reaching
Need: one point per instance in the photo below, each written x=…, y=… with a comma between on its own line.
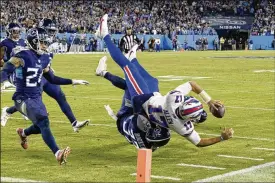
x=215, y=104
x=7, y=85
x=80, y=82
x=227, y=133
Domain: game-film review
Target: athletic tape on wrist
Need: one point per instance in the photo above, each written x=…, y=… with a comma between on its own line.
x=205, y=97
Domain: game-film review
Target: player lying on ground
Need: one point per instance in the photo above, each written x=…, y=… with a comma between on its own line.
x=31, y=63
x=52, y=90
x=175, y=110
x=134, y=127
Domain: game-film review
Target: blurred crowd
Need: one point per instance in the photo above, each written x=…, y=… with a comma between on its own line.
x=148, y=17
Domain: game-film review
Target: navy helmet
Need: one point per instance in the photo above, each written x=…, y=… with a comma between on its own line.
x=49, y=26
x=13, y=31
x=36, y=37
x=158, y=137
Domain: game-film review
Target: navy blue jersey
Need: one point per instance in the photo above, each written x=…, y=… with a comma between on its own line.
x=29, y=74
x=9, y=44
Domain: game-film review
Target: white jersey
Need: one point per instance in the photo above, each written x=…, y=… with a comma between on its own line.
x=162, y=111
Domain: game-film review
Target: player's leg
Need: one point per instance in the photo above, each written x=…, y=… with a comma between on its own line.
x=6, y=113
x=37, y=113
x=148, y=78
x=135, y=82
x=101, y=70
x=56, y=93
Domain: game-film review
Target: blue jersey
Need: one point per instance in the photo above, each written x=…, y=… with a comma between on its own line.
x=29, y=74
x=8, y=45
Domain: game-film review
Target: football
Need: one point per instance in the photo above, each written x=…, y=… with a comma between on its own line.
x=218, y=113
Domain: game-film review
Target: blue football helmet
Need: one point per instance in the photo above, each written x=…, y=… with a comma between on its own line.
x=158, y=136
x=49, y=26
x=13, y=31
x=38, y=40
x=191, y=109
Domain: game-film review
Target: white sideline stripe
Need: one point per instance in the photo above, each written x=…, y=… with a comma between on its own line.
x=251, y=108
x=240, y=157
x=90, y=124
x=10, y=179
x=93, y=124
x=201, y=166
x=242, y=171
x=236, y=107
x=265, y=149
x=160, y=177
x=239, y=137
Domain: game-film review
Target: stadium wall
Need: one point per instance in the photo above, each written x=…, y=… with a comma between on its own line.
x=262, y=42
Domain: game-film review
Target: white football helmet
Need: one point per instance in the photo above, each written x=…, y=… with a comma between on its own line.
x=191, y=108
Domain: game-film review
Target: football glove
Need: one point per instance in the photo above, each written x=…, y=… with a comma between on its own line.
x=7, y=85
x=227, y=133
x=80, y=82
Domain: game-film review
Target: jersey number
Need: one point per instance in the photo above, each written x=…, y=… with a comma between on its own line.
x=162, y=122
x=188, y=125
x=31, y=79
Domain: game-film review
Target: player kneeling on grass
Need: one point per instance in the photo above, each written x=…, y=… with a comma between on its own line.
x=175, y=110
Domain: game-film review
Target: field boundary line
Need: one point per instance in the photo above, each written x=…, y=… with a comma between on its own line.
x=11, y=179
x=160, y=177
x=209, y=134
x=237, y=172
x=240, y=157
x=201, y=166
x=239, y=137
x=265, y=149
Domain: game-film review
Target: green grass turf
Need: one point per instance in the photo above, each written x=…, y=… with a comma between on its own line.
x=101, y=154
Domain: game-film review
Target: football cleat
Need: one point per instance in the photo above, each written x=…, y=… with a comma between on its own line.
x=132, y=53
x=102, y=67
x=62, y=155
x=102, y=30
x=4, y=116
x=24, y=142
x=80, y=124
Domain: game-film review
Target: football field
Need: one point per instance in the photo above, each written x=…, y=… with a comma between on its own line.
x=242, y=80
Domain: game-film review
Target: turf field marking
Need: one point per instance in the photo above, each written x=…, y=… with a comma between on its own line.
x=201, y=166
x=238, y=172
x=238, y=137
x=250, y=108
x=160, y=177
x=10, y=179
x=265, y=149
x=208, y=134
x=240, y=157
x=264, y=71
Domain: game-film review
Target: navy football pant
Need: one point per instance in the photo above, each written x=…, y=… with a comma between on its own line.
x=55, y=92
x=37, y=113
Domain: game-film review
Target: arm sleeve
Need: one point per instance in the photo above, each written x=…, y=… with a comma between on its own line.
x=8, y=68
x=194, y=138
x=184, y=88
x=56, y=80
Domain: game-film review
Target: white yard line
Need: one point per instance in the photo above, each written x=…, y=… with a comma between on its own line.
x=265, y=149
x=239, y=137
x=10, y=179
x=201, y=166
x=238, y=172
x=251, y=108
x=160, y=177
x=90, y=124
x=240, y=157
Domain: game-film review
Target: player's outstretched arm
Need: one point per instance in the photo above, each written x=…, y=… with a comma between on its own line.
x=49, y=75
x=9, y=67
x=226, y=134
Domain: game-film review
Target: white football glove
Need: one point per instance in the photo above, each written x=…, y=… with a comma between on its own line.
x=7, y=85
x=80, y=82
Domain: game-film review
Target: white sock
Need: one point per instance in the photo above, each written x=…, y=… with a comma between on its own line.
x=103, y=73
x=56, y=154
x=23, y=134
